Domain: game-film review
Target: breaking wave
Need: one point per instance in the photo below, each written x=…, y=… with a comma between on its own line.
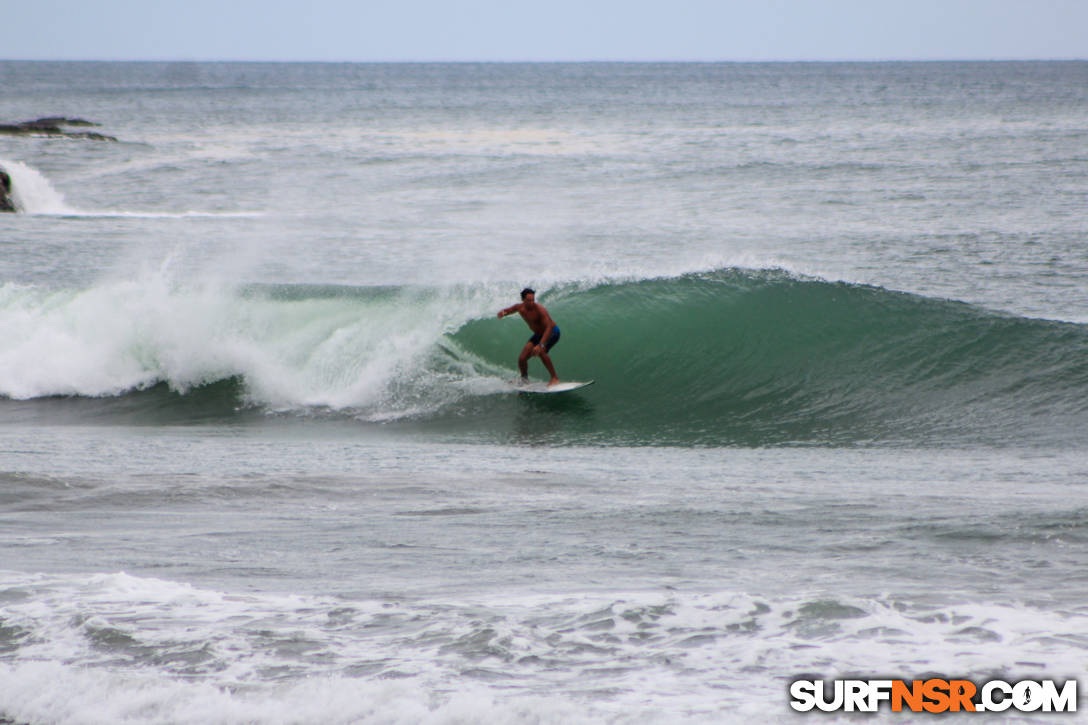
x=726, y=357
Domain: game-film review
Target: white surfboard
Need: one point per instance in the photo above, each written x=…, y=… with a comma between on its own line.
x=542, y=387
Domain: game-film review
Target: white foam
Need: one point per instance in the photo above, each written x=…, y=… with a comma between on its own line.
x=32, y=192
x=66, y=695
x=106, y=648
x=63, y=674
x=341, y=352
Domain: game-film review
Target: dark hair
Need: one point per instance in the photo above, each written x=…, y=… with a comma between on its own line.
x=527, y=291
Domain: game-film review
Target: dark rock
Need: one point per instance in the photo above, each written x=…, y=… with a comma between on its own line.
x=62, y=121
x=53, y=126
x=6, y=202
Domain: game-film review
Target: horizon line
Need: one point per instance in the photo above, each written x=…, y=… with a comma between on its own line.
x=551, y=61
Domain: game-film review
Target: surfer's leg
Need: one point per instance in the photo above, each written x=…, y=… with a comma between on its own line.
x=523, y=359
x=546, y=359
x=551, y=368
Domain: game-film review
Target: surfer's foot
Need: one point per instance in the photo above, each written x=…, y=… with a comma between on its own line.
x=553, y=381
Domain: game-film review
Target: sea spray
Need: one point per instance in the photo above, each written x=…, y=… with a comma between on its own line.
x=294, y=347
x=32, y=192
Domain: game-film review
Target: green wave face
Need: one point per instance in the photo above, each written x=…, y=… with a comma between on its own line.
x=764, y=358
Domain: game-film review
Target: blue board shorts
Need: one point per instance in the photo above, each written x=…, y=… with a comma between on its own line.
x=552, y=339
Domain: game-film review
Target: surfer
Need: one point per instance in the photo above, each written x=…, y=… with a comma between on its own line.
x=545, y=333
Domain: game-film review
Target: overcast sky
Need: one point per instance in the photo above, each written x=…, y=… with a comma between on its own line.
x=513, y=30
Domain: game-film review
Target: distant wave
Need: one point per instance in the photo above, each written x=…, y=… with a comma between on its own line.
x=726, y=357
x=34, y=194
x=75, y=213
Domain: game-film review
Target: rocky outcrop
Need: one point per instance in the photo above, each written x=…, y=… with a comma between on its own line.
x=53, y=126
x=6, y=202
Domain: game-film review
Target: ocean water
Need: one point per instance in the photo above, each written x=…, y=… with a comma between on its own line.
x=260, y=461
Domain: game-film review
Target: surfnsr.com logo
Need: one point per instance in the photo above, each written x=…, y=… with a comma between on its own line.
x=933, y=695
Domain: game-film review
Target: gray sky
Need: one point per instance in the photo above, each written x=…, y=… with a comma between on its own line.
x=512, y=30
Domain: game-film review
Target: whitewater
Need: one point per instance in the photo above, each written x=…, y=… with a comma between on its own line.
x=260, y=460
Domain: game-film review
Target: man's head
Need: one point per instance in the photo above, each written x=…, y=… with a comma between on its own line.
x=528, y=295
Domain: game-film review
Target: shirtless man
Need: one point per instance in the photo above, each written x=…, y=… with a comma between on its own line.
x=545, y=333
